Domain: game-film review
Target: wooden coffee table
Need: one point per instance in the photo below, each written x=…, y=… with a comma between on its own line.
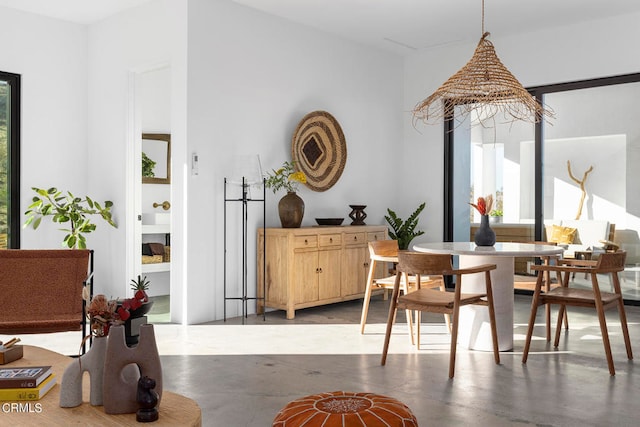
x=174, y=409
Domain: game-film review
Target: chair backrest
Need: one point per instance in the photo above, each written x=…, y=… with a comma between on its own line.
x=610, y=262
x=39, y=285
x=383, y=249
x=422, y=263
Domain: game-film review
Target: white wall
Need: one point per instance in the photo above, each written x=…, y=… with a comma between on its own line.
x=51, y=57
x=120, y=46
x=582, y=51
x=252, y=77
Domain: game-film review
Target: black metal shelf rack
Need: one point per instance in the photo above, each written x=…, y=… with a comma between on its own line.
x=245, y=200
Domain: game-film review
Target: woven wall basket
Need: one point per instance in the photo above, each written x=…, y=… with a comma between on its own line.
x=319, y=149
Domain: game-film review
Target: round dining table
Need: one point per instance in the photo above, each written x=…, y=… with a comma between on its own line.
x=474, y=330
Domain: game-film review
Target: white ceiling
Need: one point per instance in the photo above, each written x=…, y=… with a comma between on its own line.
x=406, y=25
x=399, y=25
x=79, y=11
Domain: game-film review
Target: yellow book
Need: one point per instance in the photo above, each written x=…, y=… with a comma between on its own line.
x=35, y=393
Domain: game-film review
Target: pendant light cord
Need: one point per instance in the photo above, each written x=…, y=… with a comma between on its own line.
x=483, y=17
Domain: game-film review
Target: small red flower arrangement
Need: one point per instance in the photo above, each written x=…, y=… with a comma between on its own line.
x=103, y=312
x=484, y=204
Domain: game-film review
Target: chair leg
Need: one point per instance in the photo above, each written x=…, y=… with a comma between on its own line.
x=447, y=317
x=547, y=309
x=625, y=328
x=492, y=320
x=367, y=297
x=565, y=316
x=454, y=340
x=547, y=315
x=410, y=325
x=623, y=315
x=392, y=314
x=418, y=322
x=605, y=337
x=532, y=320
x=562, y=312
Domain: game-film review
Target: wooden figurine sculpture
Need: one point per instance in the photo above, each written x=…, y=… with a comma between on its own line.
x=581, y=184
x=147, y=399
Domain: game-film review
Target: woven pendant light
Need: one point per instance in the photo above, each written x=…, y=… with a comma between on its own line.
x=483, y=85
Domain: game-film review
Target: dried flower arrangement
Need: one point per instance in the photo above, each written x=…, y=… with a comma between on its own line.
x=103, y=312
x=484, y=204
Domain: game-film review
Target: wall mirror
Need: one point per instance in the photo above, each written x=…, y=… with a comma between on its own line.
x=156, y=158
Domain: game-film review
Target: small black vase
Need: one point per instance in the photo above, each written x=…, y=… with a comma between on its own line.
x=485, y=236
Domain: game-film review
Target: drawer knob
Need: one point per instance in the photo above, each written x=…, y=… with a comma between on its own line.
x=306, y=242
x=355, y=238
x=330, y=239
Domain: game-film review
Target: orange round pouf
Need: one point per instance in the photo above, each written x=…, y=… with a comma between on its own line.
x=345, y=409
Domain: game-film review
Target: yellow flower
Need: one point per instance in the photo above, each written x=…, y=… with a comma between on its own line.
x=286, y=178
x=298, y=176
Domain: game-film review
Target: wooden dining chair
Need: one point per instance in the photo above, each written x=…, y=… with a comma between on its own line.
x=386, y=251
x=528, y=283
x=607, y=263
x=425, y=264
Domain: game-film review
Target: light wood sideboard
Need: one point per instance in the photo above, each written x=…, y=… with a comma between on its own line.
x=311, y=266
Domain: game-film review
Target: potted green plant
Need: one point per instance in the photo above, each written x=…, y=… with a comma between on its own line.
x=291, y=206
x=68, y=209
x=495, y=216
x=404, y=231
x=140, y=287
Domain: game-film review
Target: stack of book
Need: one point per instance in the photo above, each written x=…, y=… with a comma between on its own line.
x=25, y=383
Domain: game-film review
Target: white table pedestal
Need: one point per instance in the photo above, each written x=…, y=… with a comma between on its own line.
x=474, y=330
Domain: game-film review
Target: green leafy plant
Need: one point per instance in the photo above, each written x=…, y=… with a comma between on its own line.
x=141, y=286
x=496, y=212
x=286, y=177
x=147, y=166
x=67, y=209
x=404, y=231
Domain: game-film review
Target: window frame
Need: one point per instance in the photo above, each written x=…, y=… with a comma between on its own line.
x=538, y=92
x=13, y=157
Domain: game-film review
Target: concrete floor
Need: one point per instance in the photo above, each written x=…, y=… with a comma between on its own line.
x=568, y=387
x=242, y=374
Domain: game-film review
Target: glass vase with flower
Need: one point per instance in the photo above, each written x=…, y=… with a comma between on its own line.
x=291, y=206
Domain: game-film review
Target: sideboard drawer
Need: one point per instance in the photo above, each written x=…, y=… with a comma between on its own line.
x=372, y=237
x=310, y=241
x=355, y=238
x=330, y=240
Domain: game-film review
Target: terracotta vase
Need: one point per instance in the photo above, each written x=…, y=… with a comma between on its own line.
x=485, y=236
x=291, y=210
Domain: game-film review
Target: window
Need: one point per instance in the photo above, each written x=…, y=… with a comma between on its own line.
x=9, y=160
x=536, y=170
